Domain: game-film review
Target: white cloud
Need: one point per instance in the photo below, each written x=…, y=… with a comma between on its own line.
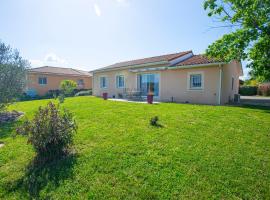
x=50, y=59
x=97, y=10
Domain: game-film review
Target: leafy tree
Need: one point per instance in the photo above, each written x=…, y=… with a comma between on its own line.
x=68, y=86
x=50, y=132
x=250, y=38
x=12, y=74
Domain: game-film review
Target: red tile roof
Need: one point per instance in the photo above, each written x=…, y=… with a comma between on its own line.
x=167, y=57
x=197, y=60
x=59, y=71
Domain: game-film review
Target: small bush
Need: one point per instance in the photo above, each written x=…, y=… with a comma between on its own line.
x=84, y=93
x=50, y=132
x=53, y=93
x=264, y=89
x=248, y=90
x=154, y=121
x=61, y=98
x=68, y=87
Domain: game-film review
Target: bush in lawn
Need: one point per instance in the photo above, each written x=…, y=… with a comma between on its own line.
x=264, y=89
x=50, y=132
x=67, y=87
x=154, y=121
x=84, y=93
x=61, y=98
x=248, y=90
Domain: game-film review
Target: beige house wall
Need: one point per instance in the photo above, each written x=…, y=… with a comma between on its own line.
x=231, y=70
x=174, y=84
x=53, y=82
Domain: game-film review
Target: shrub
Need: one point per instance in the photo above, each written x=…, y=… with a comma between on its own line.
x=248, y=90
x=154, y=121
x=84, y=93
x=68, y=86
x=251, y=82
x=264, y=89
x=50, y=132
x=53, y=93
x=61, y=98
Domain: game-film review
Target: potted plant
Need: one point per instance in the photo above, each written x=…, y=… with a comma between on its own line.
x=150, y=97
x=105, y=95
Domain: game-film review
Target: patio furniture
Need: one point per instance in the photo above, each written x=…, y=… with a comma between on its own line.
x=133, y=94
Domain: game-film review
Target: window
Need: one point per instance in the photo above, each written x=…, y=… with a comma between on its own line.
x=195, y=81
x=80, y=82
x=120, y=81
x=232, y=82
x=103, y=82
x=148, y=83
x=42, y=80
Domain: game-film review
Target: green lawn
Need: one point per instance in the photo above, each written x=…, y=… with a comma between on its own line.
x=201, y=152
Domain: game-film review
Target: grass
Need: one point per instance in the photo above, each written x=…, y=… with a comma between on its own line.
x=198, y=152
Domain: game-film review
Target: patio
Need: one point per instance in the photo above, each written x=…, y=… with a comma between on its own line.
x=132, y=101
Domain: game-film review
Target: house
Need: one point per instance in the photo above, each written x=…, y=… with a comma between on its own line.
x=43, y=79
x=178, y=77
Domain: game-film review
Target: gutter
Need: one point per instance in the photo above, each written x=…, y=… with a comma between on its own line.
x=59, y=74
x=130, y=66
x=176, y=67
x=198, y=65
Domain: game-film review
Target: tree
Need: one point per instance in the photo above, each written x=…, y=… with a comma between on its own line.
x=68, y=86
x=250, y=38
x=12, y=74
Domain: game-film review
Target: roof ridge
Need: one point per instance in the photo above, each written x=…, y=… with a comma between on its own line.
x=79, y=71
x=51, y=67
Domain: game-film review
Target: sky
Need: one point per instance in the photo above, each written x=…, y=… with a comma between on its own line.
x=89, y=34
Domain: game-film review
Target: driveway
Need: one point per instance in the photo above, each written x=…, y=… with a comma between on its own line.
x=255, y=100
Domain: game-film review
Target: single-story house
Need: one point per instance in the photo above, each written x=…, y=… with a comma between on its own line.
x=43, y=79
x=178, y=77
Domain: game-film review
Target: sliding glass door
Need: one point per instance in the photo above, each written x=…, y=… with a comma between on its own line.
x=148, y=83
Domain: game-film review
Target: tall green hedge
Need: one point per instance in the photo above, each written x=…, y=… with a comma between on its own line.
x=248, y=90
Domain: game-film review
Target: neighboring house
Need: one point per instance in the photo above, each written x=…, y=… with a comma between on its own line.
x=42, y=79
x=179, y=77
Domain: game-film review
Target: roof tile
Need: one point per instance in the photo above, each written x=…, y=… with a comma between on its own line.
x=60, y=70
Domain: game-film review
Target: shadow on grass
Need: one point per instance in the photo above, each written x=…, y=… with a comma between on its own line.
x=256, y=107
x=38, y=176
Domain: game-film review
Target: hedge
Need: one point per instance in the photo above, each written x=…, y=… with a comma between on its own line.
x=248, y=90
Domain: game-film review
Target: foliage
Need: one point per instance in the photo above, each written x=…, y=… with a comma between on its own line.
x=205, y=152
x=248, y=90
x=154, y=121
x=250, y=38
x=12, y=74
x=61, y=98
x=68, y=86
x=50, y=132
x=264, y=89
x=84, y=93
x=251, y=82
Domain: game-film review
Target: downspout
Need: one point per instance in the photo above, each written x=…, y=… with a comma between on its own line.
x=220, y=84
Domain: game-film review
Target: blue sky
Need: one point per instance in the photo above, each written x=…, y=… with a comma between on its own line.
x=88, y=34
